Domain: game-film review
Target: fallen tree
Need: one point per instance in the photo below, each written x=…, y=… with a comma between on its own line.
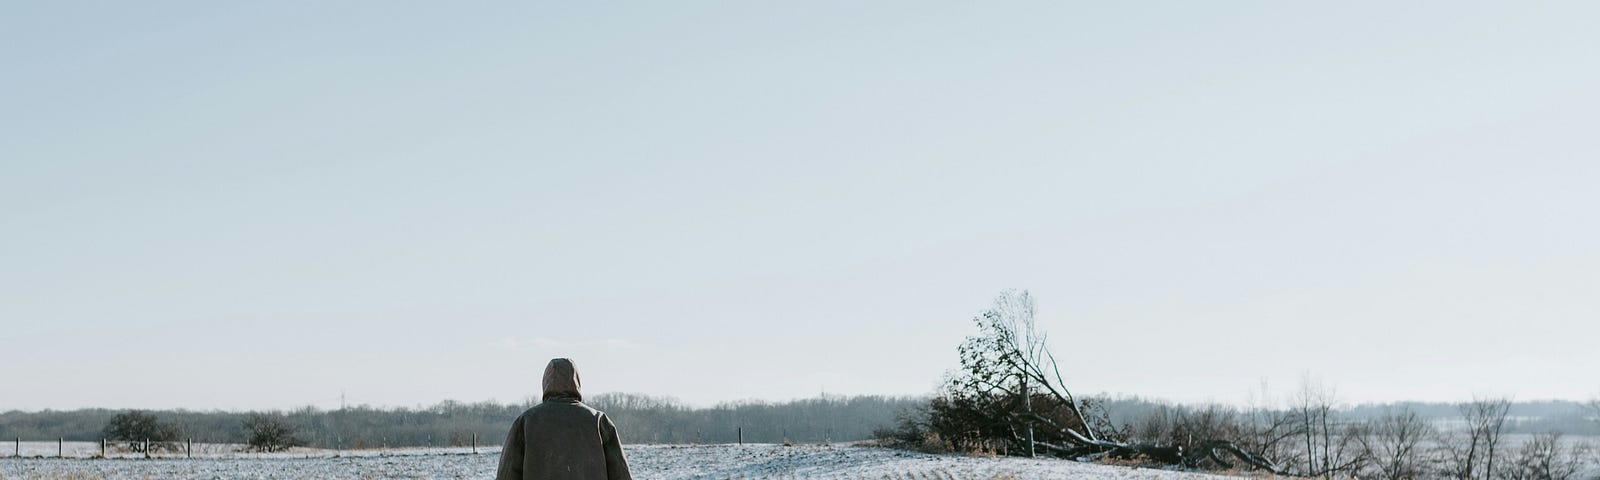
x=1009, y=397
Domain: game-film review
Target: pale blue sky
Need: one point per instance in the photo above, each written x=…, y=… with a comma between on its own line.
x=245, y=205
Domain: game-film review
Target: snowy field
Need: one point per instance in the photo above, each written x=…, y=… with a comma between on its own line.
x=649, y=462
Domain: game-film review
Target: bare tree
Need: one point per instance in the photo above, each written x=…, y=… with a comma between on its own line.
x=1009, y=384
x=1014, y=312
x=1271, y=432
x=1392, y=445
x=1545, y=457
x=1473, y=457
x=1325, y=447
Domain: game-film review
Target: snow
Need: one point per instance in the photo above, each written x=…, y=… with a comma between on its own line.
x=668, y=462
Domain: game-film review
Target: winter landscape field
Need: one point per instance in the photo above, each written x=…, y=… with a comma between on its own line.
x=369, y=239
x=667, y=462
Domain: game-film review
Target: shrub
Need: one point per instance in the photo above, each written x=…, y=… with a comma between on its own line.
x=270, y=432
x=136, y=427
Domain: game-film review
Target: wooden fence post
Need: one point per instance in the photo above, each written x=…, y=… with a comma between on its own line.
x=102, y=448
x=741, y=435
x=188, y=448
x=474, y=443
x=19, y=447
x=59, y=449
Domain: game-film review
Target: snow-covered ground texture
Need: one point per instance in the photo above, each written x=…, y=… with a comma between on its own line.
x=649, y=462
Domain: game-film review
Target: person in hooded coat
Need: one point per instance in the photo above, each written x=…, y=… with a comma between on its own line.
x=561, y=438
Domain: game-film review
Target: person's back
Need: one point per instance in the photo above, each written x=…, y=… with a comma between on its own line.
x=561, y=438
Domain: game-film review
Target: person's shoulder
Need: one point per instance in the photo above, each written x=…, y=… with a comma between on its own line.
x=544, y=408
x=590, y=408
x=566, y=408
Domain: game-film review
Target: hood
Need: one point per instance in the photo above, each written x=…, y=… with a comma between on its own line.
x=561, y=380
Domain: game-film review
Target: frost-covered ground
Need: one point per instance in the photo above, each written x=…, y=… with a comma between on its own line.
x=667, y=462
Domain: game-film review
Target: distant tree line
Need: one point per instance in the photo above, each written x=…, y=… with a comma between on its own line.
x=1522, y=417
x=640, y=418
x=1310, y=434
x=650, y=419
x=645, y=419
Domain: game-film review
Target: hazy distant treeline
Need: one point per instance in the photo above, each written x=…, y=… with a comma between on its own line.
x=654, y=420
x=640, y=418
x=1536, y=416
x=649, y=419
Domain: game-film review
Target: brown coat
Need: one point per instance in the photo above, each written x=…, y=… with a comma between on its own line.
x=561, y=438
